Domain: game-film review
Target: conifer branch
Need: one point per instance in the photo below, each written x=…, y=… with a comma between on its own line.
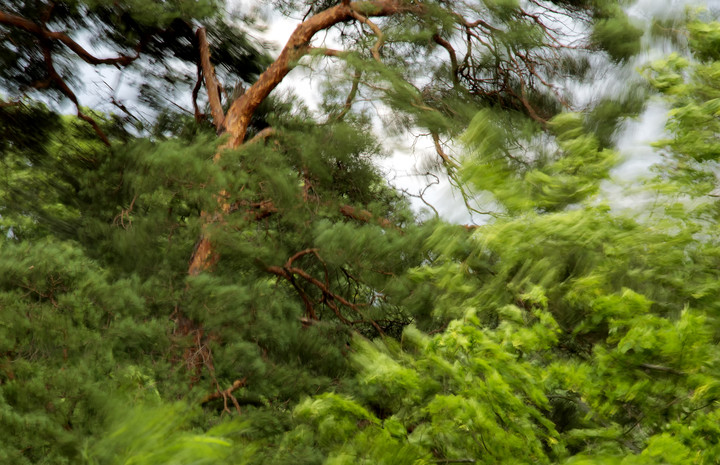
x=238, y=117
x=329, y=298
x=351, y=96
x=54, y=77
x=242, y=109
x=376, y=30
x=212, y=85
x=42, y=33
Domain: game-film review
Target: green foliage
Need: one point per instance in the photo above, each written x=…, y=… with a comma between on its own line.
x=335, y=327
x=552, y=174
x=617, y=35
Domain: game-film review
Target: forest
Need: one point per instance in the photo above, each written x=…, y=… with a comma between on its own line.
x=201, y=265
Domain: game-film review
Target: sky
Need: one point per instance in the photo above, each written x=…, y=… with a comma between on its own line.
x=409, y=154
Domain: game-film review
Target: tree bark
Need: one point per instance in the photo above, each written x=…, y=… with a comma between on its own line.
x=241, y=110
x=212, y=85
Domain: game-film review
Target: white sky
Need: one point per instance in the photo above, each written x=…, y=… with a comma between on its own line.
x=407, y=158
x=409, y=154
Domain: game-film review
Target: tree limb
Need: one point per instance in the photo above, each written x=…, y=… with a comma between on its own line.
x=63, y=87
x=41, y=32
x=376, y=30
x=351, y=96
x=242, y=109
x=211, y=83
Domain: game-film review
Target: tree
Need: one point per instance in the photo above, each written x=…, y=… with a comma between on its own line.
x=300, y=253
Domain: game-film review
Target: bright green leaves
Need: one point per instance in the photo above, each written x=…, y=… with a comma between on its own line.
x=667, y=75
x=553, y=174
x=704, y=40
x=150, y=434
x=458, y=396
x=690, y=88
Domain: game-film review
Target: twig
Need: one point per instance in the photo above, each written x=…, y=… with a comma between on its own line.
x=376, y=30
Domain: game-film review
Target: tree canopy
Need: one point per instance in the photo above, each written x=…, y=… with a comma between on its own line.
x=236, y=282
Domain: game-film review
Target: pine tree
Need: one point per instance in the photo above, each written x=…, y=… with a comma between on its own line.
x=556, y=331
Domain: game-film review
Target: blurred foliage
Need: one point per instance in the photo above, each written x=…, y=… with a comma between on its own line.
x=153, y=43
x=336, y=327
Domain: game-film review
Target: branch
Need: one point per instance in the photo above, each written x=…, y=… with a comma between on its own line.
x=242, y=109
x=664, y=369
x=351, y=95
x=288, y=271
x=211, y=83
x=41, y=32
x=195, y=91
x=447, y=161
x=453, y=56
x=63, y=87
x=262, y=135
x=376, y=30
x=225, y=394
x=364, y=216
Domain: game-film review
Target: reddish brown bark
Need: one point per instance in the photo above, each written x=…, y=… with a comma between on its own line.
x=241, y=110
x=42, y=32
x=211, y=83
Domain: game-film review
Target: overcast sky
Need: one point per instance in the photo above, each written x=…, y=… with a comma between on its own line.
x=407, y=158
x=409, y=154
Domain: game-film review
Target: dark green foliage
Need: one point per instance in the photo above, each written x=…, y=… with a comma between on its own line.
x=334, y=326
x=618, y=36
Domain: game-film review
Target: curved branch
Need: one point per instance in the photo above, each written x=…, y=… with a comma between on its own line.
x=241, y=110
x=65, y=89
x=41, y=32
x=453, y=57
x=376, y=30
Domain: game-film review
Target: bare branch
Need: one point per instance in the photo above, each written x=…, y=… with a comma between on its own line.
x=63, y=87
x=212, y=85
x=376, y=30
x=453, y=57
x=447, y=161
x=43, y=33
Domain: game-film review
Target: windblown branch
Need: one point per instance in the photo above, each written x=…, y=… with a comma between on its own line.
x=351, y=96
x=298, y=45
x=211, y=83
x=453, y=57
x=376, y=30
x=41, y=32
x=241, y=110
x=65, y=89
x=447, y=161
